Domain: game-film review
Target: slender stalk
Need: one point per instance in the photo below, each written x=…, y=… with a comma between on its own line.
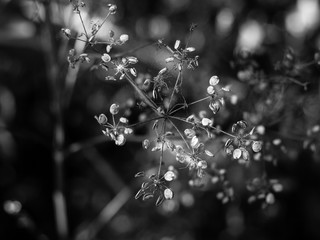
x=189, y=104
x=181, y=135
x=59, y=202
x=84, y=28
x=216, y=129
x=174, y=89
x=143, y=95
x=162, y=145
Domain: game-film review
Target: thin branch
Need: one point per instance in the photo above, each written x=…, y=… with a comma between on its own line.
x=84, y=28
x=181, y=135
x=189, y=104
x=174, y=89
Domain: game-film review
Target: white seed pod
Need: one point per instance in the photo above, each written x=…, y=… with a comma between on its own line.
x=276, y=141
x=146, y=144
x=124, y=120
x=122, y=76
x=133, y=71
x=177, y=44
x=180, y=157
x=215, y=179
x=214, y=80
x=211, y=90
x=190, y=133
x=256, y=146
x=66, y=31
x=234, y=99
x=202, y=164
x=163, y=71
x=106, y=58
x=169, y=59
x=190, y=49
x=112, y=8
x=277, y=187
x=124, y=37
x=102, y=119
x=270, y=199
x=237, y=153
x=169, y=176
x=114, y=108
x=108, y=48
x=168, y=193
x=220, y=195
x=191, y=118
x=261, y=129
x=128, y=131
x=206, y=122
x=210, y=154
x=120, y=140
x=194, y=142
x=215, y=106
x=132, y=60
x=245, y=154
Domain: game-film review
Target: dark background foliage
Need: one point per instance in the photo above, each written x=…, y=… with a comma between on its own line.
x=99, y=177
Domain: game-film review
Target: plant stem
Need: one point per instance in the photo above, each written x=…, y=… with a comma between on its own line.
x=189, y=104
x=144, y=97
x=58, y=130
x=174, y=89
x=84, y=28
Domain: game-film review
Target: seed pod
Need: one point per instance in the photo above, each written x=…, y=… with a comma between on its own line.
x=214, y=80
x=133, y=71
x=112, y=8
x=169, y=176
x=114, y=109
x=139, y=174
x=102, y=119
x=256, y=146
x=124, y=120
x=160, y=200
x=139, y=194
x=147, y=196
x=206, y=122
x=190, y=49
x=169, y=59
x=168, y=194
x=120, y=140
x=177, y=44
x=190, y=133
x=132, y=60
x=270, y=198
x=242, y=124
x=106, y=58
x=211, y=90
x=237, y=153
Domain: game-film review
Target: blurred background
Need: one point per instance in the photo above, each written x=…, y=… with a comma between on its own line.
x=61, y=179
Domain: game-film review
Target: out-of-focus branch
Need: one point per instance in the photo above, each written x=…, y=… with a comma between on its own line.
x=111, y=178
x=50, y=48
